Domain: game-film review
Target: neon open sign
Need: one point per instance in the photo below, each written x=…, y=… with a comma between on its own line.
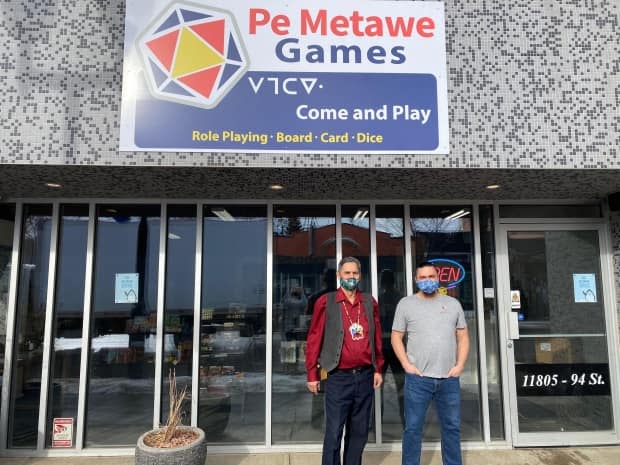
x=450, y=272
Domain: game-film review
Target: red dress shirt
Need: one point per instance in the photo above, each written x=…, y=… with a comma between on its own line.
x=354, y=353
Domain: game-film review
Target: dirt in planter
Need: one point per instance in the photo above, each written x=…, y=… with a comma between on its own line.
x=181, y=438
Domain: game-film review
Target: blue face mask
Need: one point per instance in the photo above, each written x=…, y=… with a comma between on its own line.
x=428, y=286
x=349, y=284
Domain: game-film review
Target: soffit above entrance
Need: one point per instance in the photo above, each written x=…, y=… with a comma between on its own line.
x=28, y=181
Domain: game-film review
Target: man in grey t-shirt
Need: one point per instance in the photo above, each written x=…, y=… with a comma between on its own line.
x=437, y=349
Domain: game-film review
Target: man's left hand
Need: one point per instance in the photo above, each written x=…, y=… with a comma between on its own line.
x=378, y=381
x=455, y=371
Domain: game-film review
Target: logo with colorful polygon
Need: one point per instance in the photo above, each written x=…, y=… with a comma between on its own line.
x=193, y=55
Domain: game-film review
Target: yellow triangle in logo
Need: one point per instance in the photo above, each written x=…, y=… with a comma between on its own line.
x=193, y=55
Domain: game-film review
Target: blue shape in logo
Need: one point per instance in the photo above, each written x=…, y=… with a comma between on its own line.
x=159, y=76
x=193, y=15
x=172, y=21
x=174, y=88
x=233, y=52
x=229, y=70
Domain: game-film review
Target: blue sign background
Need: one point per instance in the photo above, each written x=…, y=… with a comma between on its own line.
x=168, y=125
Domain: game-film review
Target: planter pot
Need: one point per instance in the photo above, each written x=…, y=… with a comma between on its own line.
x=192, y=454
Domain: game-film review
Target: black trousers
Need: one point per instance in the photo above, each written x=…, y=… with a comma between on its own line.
x=348, y=402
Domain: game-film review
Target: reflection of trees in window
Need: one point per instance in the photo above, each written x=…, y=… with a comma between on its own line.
x=289, y=226
x=391, y=226
x=437, y=225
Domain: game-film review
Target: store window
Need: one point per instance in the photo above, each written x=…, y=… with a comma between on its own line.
x=123, y=325
x=443, y=234
x=179, y=305
x=232, y=324
x=67, y=323
x=29, y=326
x=392, y=287
x=356, y=239
x=7, y=225
x=304, y=267
x=491, y=325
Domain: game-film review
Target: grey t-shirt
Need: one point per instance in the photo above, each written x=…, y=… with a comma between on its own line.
x=431, y=326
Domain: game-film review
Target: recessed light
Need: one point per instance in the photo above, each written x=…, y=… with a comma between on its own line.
x=493, y=186
x=53, y=185
x=276, y=187
x=222, y=213
x=360, y=214
x=112, y=210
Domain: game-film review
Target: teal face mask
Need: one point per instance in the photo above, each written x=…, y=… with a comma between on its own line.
x=349, y=284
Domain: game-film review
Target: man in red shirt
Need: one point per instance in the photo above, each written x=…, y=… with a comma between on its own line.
x=345, y=340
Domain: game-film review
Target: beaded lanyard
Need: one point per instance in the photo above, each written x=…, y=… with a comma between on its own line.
x=356, y=330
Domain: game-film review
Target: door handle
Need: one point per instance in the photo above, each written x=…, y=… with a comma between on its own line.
x=509, y=344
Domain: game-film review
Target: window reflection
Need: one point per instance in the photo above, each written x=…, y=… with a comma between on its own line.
x=356, y=239
x=122, y=356
x=68, y=311
x=232, y=330
x=491, y=329
x=445, y=233
x=30, y=324
x=392, y=287
x=7, y=224
x=304, y=250
x=179, y=304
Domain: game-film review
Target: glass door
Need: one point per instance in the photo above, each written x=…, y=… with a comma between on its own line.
x=554, y=297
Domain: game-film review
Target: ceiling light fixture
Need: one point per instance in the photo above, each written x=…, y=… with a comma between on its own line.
x=458, y=214
x=276, y=187
x=223, y=214
x=53, y=185
x=360, y=214
x=493, y=186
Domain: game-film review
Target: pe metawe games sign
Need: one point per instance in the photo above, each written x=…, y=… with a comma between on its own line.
x=323, y=76
x=563, y=379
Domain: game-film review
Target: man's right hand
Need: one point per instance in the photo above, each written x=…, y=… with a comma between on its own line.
x=313, y=386
x=412, y=369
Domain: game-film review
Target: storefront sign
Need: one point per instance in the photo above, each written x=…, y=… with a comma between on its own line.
x=347, y=76
x=563, y=379
x=451, y=273
x=62, y=435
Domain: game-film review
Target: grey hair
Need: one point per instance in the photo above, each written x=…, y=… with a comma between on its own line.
x=350, y=260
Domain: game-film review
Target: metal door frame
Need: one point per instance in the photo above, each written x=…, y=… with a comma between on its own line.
x=507, y=350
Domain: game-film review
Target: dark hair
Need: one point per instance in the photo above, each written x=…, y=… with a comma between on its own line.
x=350, y=260
x=424, y=264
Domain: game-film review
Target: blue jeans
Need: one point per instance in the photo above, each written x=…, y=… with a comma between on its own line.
x=446, y=393
x=348, y=400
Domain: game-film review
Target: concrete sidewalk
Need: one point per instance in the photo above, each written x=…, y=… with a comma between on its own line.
x=546, y=456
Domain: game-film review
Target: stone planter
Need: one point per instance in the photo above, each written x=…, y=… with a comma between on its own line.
x=192, y=454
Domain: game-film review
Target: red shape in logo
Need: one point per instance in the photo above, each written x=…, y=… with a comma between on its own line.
x=202, y=81
x=163, y=47
x=213, y=33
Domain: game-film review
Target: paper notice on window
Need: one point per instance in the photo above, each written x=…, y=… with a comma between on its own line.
x=126, y=288
x=584, y=287
x=62, y=435
x=515, y=299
